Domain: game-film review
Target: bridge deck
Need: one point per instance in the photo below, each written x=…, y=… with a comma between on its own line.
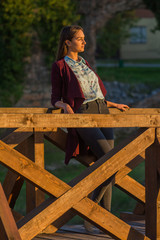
x=73, y=232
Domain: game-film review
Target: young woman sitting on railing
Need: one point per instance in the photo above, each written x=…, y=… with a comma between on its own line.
x=76, y=88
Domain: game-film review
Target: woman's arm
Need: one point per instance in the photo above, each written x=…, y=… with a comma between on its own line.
x=122, y=107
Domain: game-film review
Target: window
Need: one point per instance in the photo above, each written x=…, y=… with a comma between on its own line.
x=138, y=34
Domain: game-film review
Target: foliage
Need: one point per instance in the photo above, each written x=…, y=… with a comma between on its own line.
x=154, y=6
x=16, y=17
x=19, y=19
x=114, y=33
x=51, y=17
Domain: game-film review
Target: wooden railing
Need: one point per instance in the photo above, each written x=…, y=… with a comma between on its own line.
x=22, y=152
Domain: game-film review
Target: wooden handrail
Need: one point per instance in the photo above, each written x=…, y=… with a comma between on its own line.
x=111, y=110
x=34, y=124
x=78, y=120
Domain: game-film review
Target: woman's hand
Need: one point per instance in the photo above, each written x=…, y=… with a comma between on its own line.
x=122, y=107
x=67, y=109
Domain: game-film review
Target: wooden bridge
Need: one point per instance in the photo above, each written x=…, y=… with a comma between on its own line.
x=22, y=152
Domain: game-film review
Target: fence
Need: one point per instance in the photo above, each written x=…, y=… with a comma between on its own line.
x=22, y=152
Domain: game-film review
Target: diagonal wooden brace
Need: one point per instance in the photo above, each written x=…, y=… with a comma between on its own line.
x=102, y=170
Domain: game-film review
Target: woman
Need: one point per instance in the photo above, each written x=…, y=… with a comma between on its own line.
x=76, y=88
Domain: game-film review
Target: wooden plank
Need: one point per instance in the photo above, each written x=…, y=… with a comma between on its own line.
x=35, y=173
x=133, y=188
x=13, y=183
x=28, y=110
x=29, y=170
x=101, y=218
x=129, y=167
x=58, y=138
x=39, y=160
x=139, y=209
x=17, y=216
x=78, y=120
x=111, y=110
x=84, y=187
x=17, y=136
x=135, y=111
x=153, y=190
x=30, y=188
x=7, y=218
x=12, y=186
x=129, y=217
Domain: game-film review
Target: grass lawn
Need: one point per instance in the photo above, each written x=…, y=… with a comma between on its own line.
x=134, y=75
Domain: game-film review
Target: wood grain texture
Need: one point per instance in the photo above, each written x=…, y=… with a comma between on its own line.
x=39, y=160
x=78, y=120
x=17, y=136
x=75, y=194
x=7, y=218
x=111, y=110
x=132, y=188
x=152, y=209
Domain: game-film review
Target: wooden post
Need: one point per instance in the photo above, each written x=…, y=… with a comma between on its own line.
x=30, y=189
x=35, y=151
x=39, y=160
x=153, y=189
x=7, y=219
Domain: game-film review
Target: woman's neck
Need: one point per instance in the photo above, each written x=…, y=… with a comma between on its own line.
x=73, y=55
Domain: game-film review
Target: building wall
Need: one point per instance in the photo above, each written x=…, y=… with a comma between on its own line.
x=148, y=50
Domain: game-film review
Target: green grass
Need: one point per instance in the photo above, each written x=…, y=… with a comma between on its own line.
x=133, y=75
x=128, y=61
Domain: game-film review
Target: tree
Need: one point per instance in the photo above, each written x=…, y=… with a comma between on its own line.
x=16, y=18
x=154, y=6
x=52, y=15
x=95, y=14
x=114, y=33
x=20, y=20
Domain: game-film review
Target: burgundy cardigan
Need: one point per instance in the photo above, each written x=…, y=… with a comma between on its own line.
x=65, y=86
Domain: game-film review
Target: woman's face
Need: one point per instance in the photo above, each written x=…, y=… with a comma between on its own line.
x=77, y=43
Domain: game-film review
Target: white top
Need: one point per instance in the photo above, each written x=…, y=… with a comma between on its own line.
x=87, y=79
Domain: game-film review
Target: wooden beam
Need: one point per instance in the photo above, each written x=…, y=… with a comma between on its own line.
x=7, y=218
x=35, y=174
x=131, y=217
x=152, y=182
x=29, y=110
x=17, y=136
x=129, y=167
x=100, y=217
x=111, y=110
x=13, y=183
x=58, y=138
x=63, y=204
x=12, y=186
x=39, y=160
x=78, y=120
x=133, y=188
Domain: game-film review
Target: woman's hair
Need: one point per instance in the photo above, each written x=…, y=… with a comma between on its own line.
x=67, y=33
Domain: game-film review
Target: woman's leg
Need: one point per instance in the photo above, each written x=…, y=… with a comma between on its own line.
x=103, y=194
x=95, y=138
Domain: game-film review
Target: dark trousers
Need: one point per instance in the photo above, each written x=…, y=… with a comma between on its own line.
x=100, y=141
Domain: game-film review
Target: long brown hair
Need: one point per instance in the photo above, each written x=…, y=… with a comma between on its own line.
x=67, y=33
